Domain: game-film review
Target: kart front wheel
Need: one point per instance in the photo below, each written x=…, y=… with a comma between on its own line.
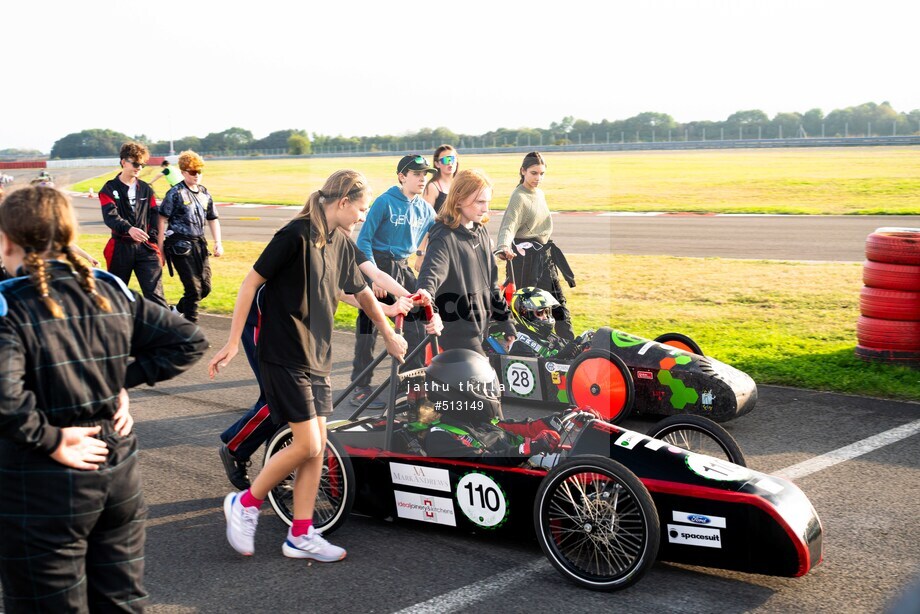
x=601, y=380
x=698, y=434
x=336, y=493
x=596, y=523
x=681, y=342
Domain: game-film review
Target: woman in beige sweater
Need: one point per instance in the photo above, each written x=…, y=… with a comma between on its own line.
x=525, y=241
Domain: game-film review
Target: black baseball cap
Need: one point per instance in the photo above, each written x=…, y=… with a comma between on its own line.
x=415, y=162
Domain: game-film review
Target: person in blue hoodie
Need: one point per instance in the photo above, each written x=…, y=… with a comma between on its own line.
x=396, y=224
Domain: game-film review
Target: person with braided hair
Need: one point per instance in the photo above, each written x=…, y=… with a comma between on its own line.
x=72, y=340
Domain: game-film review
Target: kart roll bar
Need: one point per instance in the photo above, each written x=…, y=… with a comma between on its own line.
x=395, y=375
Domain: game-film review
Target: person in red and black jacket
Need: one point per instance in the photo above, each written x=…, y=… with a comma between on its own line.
x=129, y=210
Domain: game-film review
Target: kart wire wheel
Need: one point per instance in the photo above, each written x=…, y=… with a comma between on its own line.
x=596, y=523
x=601, y=380
x=681, y=342
x=886, y=276
x=336, y=492
x=894, y=245
x=698, y=434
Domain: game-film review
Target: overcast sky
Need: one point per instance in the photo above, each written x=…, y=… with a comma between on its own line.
x=171, y=69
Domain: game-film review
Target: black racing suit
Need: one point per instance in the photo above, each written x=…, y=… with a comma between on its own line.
x=185, y=245
x=73, y=540
x=124, y=255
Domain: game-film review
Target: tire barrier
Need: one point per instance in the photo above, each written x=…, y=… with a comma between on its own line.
x=894, y=245
x=888, y=328
x=886, y=276
x=889, y=304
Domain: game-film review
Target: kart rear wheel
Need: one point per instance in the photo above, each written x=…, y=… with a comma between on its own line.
x=699, y=434
x=681, y=342
x=336, y=486
x=601, y=380
x=596, y=523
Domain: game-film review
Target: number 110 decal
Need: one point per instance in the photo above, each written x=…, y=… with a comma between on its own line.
x=482, y=500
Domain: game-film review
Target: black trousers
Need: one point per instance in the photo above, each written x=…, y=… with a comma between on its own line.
x=537, y=269
x=72, y=540
x=125, y=257
x=195, y=272
x=366, y=332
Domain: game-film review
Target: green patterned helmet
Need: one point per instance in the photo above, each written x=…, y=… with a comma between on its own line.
x=533, y=309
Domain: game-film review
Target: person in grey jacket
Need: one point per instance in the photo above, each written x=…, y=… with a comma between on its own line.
x=459, y=273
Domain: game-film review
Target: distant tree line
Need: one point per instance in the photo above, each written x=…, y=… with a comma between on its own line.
x=864, y=120
x=20, y=153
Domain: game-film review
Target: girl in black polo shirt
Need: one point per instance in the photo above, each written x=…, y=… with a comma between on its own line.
x=303, y=268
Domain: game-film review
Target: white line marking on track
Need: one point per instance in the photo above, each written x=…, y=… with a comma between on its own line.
x=465, y=596
x=849, y=452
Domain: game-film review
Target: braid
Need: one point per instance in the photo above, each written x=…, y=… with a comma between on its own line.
x=86, y=279
x=36, y=267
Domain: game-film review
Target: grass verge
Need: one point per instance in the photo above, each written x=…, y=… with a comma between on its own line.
x=845, y=180
x=787, y=323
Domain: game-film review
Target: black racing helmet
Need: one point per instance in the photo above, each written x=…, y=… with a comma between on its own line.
x=463, y=387
x=532, y=308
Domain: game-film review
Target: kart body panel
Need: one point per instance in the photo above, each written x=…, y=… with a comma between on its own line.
x=668, y=381
x=711, y=512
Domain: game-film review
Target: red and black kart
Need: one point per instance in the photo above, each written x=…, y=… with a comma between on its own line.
x=603, y=509
x=619, y=373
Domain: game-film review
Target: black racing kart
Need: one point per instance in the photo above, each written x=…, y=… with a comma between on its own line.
x=604, y=507
x=618, y=373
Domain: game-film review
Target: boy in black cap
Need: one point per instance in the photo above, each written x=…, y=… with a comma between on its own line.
x=396, y=224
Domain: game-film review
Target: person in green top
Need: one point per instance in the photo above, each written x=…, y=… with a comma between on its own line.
x=172, y=175
x=525, y=241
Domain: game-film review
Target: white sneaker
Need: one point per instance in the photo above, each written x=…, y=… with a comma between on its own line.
x=241, y=524
x=312, y=546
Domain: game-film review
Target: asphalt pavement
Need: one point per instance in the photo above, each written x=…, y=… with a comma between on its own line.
x=778, y=237
x=867, y=505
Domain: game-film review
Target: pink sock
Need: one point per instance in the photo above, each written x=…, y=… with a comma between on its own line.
x=247, y=500
x=301, y=527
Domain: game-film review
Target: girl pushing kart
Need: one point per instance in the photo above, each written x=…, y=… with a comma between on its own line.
x=303, y=268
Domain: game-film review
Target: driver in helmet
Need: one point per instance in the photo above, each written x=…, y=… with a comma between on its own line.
x=532, y=309
x=463, y=390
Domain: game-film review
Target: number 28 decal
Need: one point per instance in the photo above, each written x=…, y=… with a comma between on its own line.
x=520, y=378
x=482, y=500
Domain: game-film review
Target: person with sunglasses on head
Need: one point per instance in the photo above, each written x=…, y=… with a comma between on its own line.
x=395, y=227
x=129, y=210
x=72, y=340
x=304, y=267
x=459, y=274
x=525, y=241
x=180, y=235
x=446, y=165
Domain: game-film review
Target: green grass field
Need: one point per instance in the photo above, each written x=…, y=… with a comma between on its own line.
x=864, y=180
x=781, y=322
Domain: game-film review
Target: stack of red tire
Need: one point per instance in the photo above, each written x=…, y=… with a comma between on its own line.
x=888, y=329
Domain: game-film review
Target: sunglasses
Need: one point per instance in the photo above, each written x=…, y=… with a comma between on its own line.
x=194, y=173
x=417, y=160
x=136, y=164
x=447, y=160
